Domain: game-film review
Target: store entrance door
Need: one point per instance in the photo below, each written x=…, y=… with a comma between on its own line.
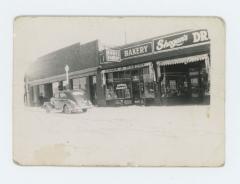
x=92, y=86
x=136, y=92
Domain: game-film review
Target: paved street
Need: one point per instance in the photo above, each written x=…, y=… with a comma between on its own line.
x=105, y=135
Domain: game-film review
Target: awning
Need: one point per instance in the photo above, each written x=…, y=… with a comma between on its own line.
x=130, y=67
x=184, y=60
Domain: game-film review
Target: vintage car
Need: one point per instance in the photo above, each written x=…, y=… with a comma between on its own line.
x=68, y=101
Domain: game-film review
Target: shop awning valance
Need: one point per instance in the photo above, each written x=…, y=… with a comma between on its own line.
x=184, y=60
x=126, y=68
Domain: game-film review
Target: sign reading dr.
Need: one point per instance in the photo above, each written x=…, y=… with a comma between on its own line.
x=180, y=40
x=136, y=50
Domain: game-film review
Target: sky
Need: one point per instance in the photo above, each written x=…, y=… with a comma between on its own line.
x=37, y=36
x=34, y=37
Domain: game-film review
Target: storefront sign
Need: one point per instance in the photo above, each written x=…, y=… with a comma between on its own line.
x=126, y=68
x=136, y=51
x=112, y=55
x=180, y=40
x=121, y=86
x=156, y=45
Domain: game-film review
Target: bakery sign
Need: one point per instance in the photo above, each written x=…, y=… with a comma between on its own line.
x=180, y=40
x=136, y=50
x=157, y=45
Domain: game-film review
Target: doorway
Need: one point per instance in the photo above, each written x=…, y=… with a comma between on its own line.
x=136, y=97
x=92, y=86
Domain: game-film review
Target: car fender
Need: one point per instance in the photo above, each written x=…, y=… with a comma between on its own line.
x=68, y=104
x=45, y=104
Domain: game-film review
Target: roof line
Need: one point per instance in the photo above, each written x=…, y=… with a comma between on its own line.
x=145, y=40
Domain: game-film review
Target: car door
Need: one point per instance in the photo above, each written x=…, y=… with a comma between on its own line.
x=62, y=99
x=56, y=102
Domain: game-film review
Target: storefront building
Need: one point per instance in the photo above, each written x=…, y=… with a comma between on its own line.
x=172, y=69
x=165, y=70
x=47, y=75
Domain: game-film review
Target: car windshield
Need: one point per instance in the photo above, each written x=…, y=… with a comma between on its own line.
x=76, y=95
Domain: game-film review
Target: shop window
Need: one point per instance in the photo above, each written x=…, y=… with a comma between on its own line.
x=41, y=90
x=83, y=83
x=121, y=75
x=55, y=87
x=80, y=83
x=109, y=77
x=94, y=79
x=110, y=94
x=171, y=88
x=118, y=91
x=149, y=90
x=123, y=90
x=64, y=84
x=194, y=81
x=75, y=84
x=135, y=73
x=172, y=84
x=128, y=74
x=115, y=75
x=145, y=70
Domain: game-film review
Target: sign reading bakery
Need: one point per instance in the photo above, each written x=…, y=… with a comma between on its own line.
x=180, y=40
x=136, y=50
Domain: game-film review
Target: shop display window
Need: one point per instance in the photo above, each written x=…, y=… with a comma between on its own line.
x=55, y=87
x=145, y=70
x=110, y=94
x=189, y=80
x=172, y=84
x=109, y=77
x=118, y=91
x=41, y=90
x=129, y=84
x=194, y=82
x=80, y=83
x=123, y=90
x=128, y=74
x=65, y=85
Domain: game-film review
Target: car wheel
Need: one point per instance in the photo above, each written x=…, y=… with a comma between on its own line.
x=84, y=110
x=66, y=109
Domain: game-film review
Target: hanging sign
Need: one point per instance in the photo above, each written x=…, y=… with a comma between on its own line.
x=112, y=55
x=180, y=40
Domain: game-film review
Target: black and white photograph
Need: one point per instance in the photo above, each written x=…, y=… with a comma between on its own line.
x=119, y=91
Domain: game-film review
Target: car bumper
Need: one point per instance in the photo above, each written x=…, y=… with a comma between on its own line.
x=80, y=108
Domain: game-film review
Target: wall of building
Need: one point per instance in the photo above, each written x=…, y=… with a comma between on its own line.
x=101, y=100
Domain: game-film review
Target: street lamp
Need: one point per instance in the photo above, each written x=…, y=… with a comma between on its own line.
x=67, y=78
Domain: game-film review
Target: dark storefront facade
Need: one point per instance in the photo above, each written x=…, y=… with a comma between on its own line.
x=165, y=70
x=46, y=76
x=173, y=69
